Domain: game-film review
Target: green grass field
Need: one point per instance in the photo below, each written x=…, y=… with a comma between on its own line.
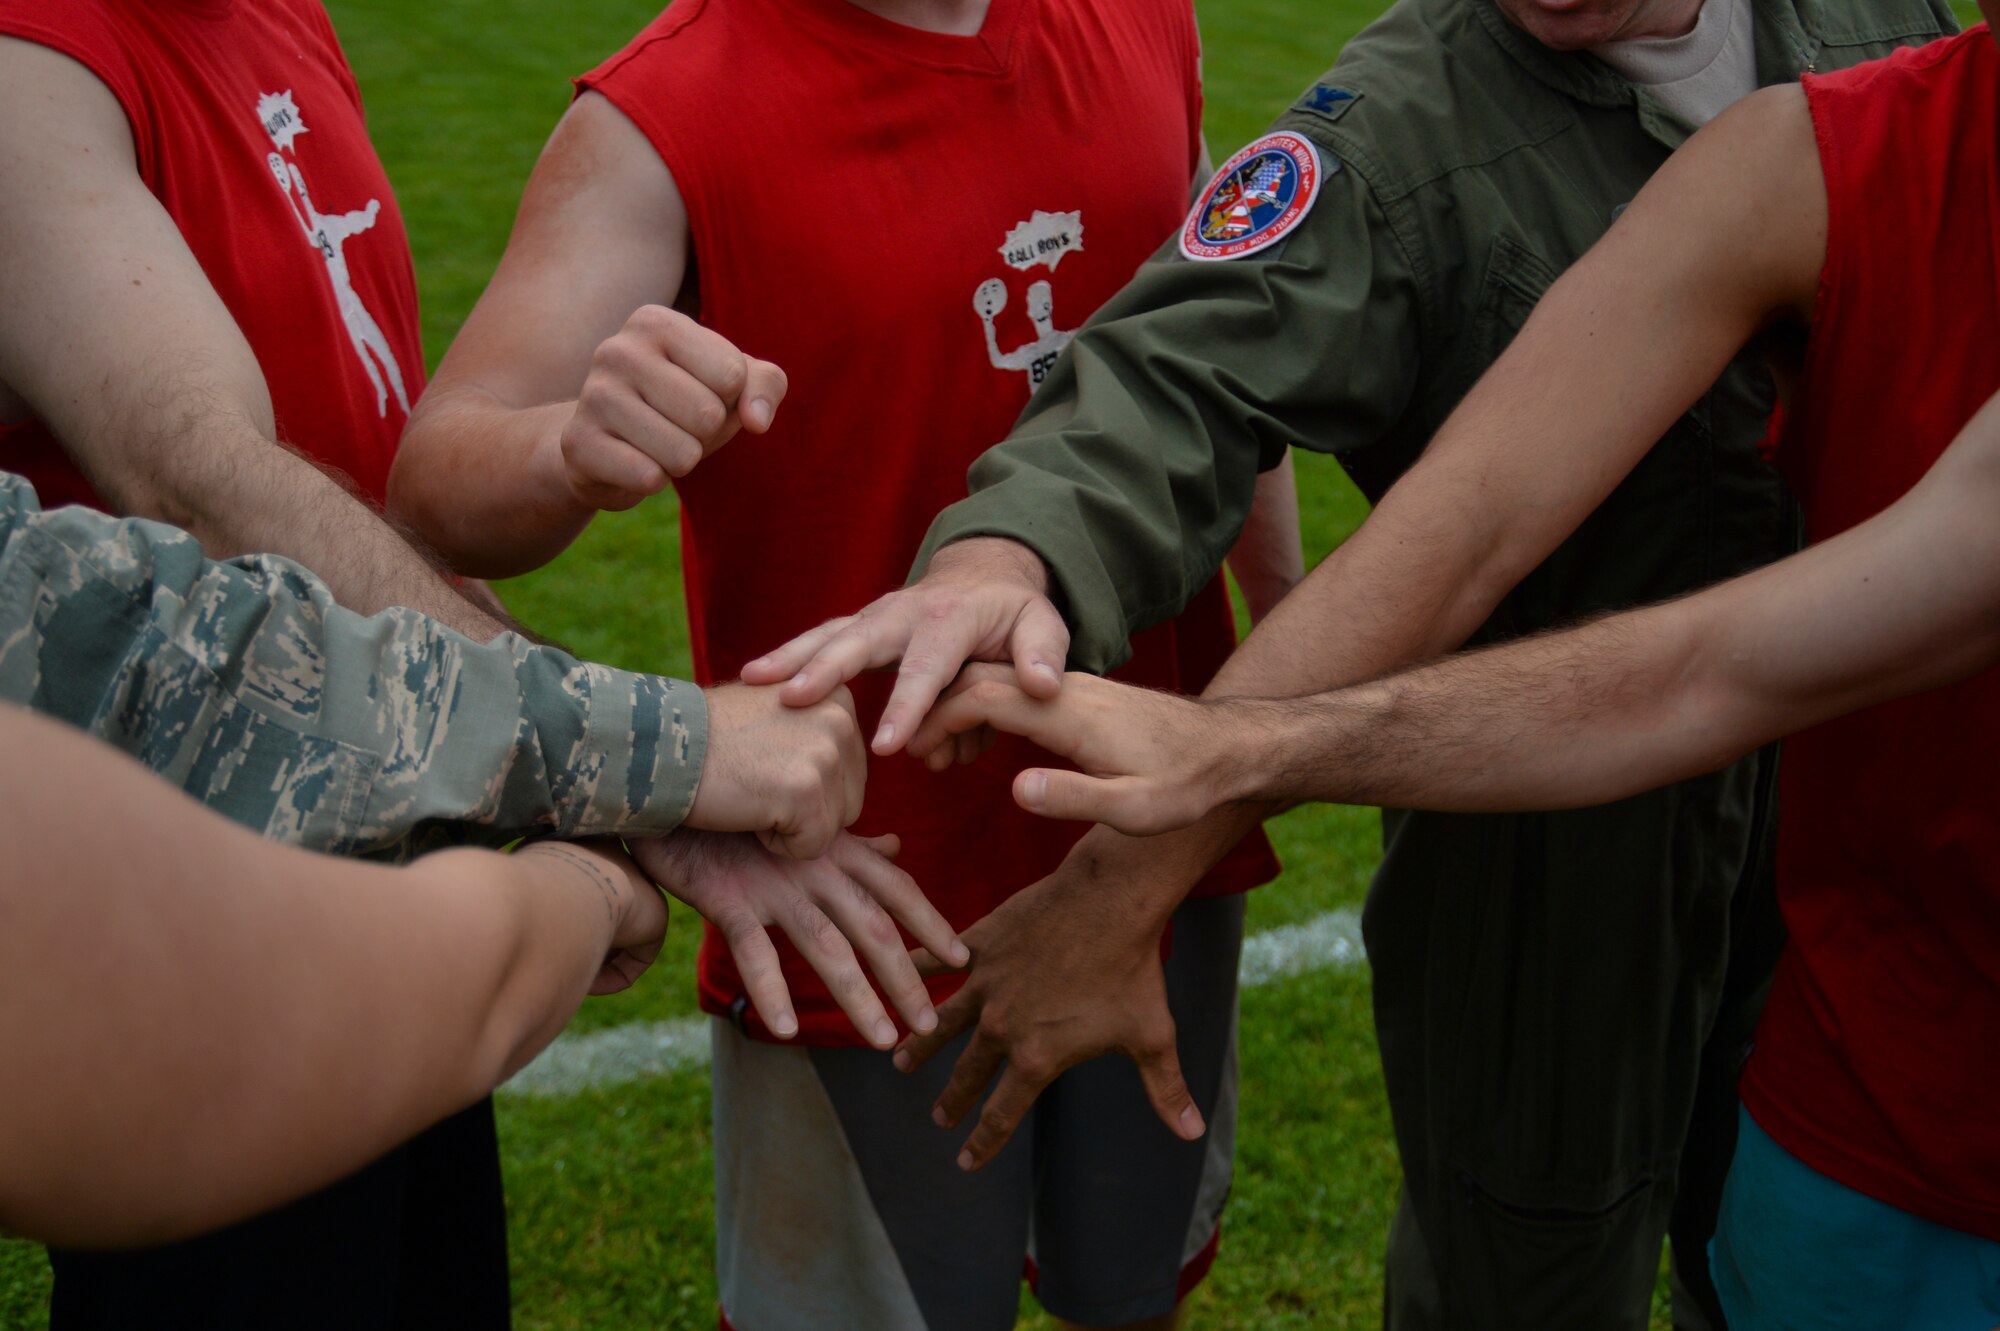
x=609, y=1190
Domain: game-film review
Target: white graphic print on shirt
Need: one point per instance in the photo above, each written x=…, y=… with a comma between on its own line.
x=1043, y=238
x=329, y=234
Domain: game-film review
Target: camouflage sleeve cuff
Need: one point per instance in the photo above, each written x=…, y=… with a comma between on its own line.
x=635, y=767
x=245, y=685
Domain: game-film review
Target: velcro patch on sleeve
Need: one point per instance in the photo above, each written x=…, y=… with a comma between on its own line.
x=1258, y=197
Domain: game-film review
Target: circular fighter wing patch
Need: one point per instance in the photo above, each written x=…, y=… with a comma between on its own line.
x=1255, y=200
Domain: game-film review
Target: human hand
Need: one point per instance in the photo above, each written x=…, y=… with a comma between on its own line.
x=1063, y=971
x=792, y=775
x=984, y=599
x=1152, y=762
x=828, y=907
x=662, y=393
x=639, y=912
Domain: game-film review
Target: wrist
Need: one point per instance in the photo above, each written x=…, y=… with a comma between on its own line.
x=588, y=874
x=1251, y=746
x=548, y=470
x=996, y=559
x=1140, y=880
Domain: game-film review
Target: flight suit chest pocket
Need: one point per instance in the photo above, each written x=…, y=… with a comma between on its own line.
x=1514, y=280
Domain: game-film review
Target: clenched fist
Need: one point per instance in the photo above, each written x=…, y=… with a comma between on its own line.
x=792, y=775
x=662, y=393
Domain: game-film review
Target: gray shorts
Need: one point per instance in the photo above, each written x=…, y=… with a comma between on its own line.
x=839, y=1205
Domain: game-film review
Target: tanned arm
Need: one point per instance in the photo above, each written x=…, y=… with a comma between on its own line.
x=223, y=1023
x=1907, y=601
x=572, y=387
x=111, y=333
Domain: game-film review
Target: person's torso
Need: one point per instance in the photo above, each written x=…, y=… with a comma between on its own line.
x=248, y=128
x=1497, y=164
x=1874, y=1063
x=911, y=225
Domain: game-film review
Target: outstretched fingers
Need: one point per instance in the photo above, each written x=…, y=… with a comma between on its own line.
x=993, y=698
x=976, y=1067
x=828, y=952
x=1000, y=1115
x=868, y=861
x=763, y=975
x=931, y=660
x=869, y=928
x=954, y=1015
x=1160, y=1070
x=781, y=664
x=868, y=641
x=945, y=639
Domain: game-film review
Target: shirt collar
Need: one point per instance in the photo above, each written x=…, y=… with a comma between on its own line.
x=1785, y=48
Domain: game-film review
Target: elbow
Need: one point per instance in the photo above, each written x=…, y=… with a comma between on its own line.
x=417, y=502
x=1489, y=572
x=159, y=496
x=480, y=528
x=412, y=502
x=1717, y=717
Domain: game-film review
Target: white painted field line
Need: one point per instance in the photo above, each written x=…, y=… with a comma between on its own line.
x=645, y=1049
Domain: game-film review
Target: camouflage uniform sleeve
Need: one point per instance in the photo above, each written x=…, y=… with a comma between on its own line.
x=244, y=684
x=1133, y=469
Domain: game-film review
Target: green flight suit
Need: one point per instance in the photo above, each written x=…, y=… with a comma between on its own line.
x=1561, y=999
x=242, y=683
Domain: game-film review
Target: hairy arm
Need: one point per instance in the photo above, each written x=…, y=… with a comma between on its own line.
x=1907, y=601
x=223, y=1023
x=111, y=333
x=572, y=387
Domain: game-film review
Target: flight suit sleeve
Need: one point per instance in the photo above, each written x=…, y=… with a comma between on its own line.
x=244, y=684
x=1132, y=471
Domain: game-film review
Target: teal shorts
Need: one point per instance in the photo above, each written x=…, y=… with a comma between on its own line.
x=1796, y=1251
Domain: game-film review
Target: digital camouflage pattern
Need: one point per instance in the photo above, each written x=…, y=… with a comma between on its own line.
x=244, y=684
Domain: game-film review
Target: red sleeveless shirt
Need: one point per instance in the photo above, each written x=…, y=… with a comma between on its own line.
x=911, y=224
x=249, y=131
x=1878, y=1060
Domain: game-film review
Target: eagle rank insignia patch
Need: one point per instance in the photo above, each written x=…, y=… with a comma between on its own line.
x=1258, y=197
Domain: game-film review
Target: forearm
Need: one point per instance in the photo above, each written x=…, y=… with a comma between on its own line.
x=1135, y=466
x=1268, y=560
x=1557, y=721
x=113, y=335
x=214, y=1029
x=1146, y=878
x=345, y=733
x=558, y=910
x=1617, y=349
x=242, y=493
x=1405, y=587
x=1907, y=601
x=1130, y=520
x=483, y=481
x=305, y=1033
